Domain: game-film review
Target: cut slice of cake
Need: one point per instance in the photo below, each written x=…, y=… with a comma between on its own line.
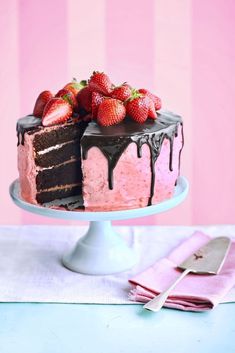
x=49, y=160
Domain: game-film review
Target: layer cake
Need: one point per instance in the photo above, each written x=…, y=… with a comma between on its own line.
x=99, y=147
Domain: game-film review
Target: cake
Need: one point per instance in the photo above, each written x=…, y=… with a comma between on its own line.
x=116, y=153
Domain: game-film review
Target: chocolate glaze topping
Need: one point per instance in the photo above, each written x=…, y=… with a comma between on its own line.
x=113, y=140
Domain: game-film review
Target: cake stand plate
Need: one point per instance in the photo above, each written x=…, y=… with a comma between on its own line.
x=101, y=251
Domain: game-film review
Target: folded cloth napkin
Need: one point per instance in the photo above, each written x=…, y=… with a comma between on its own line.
x=194, y=292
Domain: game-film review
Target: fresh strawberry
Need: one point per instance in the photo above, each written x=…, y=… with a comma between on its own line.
x=41, y=101
x=152, y=112
x=100, y=82
x=122, y=92
x=75, y=86
x=156, y=100
x=111, y=112
x=138, y=107
x=57, y=110
x=84, y=98
x=68, y=96
x=97, y=99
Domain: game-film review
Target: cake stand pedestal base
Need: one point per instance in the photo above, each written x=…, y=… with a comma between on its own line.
x=100, y=252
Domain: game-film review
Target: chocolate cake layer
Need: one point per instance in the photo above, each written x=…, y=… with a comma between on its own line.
x=48, y=196
x=59, y=155
x=62, y=134
x=69, y=173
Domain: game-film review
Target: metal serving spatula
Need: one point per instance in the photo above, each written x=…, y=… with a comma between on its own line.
x=207, y=260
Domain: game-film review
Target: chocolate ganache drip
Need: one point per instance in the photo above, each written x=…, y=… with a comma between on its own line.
x=113, y=140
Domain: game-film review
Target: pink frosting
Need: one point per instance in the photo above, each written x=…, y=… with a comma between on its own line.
x=27, y=169
x=131, y=178
x=165, y=179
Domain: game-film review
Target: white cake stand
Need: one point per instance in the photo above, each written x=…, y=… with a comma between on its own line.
x=101, y=251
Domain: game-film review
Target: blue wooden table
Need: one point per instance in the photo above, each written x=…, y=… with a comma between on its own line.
x=76, y=328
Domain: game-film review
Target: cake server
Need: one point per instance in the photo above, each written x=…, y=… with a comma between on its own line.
x=208, y=259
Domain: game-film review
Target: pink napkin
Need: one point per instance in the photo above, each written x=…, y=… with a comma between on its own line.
x=194, y=292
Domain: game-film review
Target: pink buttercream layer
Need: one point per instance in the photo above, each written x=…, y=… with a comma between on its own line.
x=131, y=177
x=27, y=170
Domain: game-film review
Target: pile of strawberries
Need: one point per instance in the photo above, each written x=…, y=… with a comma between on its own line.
x=98, y=99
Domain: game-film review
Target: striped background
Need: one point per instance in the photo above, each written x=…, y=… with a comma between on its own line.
x=182, y=49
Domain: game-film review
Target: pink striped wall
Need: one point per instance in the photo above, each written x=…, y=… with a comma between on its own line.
x=213, y=92
x=182, y=49
x=10, y=106
x=130, y=42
